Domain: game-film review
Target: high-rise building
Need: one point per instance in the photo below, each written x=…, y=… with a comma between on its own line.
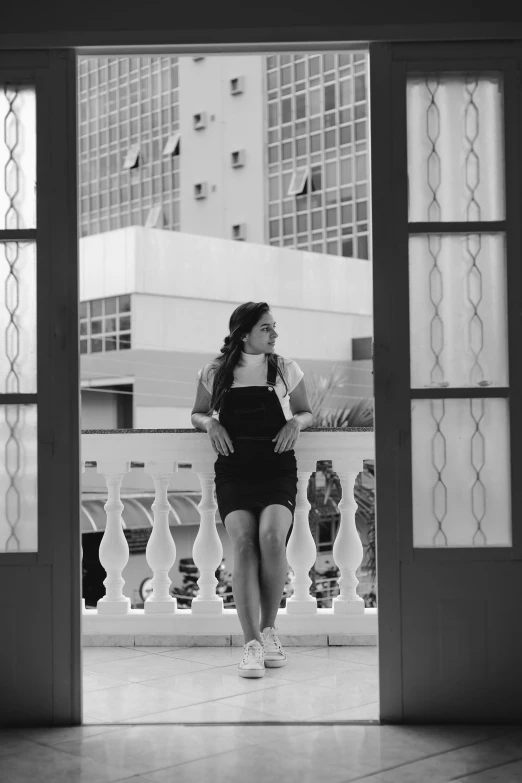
x=267, y=149
x=222, y=164
x=128, y=123
x=318, y=153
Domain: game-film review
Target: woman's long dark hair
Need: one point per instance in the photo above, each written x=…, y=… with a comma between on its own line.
x=242, y=321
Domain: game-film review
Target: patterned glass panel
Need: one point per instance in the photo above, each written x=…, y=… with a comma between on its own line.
x=17, y=157
x=18, y=479
x=461, y=473
x=458, y=311
x=17, y=317
x=455, y=147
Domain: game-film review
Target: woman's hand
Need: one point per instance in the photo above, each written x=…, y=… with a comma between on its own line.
x=219, y=438
x=287, y=436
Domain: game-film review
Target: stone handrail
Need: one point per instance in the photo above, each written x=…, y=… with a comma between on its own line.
x=161, y=451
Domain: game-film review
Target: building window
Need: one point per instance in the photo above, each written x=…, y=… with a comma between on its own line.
x=317, y=152
x=314, y=102
x=298, y=182
x=132, y=158
x=329, y=97
x=360, y=88
x=314, y=65
x=155, y=217
x=172, y=147
x=362, y=247
x=105, y=324
x=286, y=110
x=300, y=106
x=347, y=245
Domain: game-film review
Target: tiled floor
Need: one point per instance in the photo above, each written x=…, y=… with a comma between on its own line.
x=201, y=684
x=262, y=754
x=151, y=688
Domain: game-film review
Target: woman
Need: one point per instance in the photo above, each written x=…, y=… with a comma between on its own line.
x=263, y=405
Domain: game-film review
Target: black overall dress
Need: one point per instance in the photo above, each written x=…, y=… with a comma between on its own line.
x=254, y=475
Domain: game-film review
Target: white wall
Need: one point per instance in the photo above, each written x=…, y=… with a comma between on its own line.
x=162, y=418
x=198, y=267
x=199, y=326
x=233, y=123
x=107, y=264
x=170, y=263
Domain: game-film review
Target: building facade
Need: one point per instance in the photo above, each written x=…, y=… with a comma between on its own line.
x=268, y=149
x=222, y=165
x=318, y=153
x=155, y=309
x=128, y=117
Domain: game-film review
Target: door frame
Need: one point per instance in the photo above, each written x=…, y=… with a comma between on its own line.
x=53, y=572
x=59, y=438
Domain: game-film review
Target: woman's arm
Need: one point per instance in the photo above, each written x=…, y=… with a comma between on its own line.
x=300, y=405
x=201, y=420
x=200, y=417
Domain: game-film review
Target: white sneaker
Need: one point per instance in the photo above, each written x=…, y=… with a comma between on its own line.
x=274, y=653
x=252, y=663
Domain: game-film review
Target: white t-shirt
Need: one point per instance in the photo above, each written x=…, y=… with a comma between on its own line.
x=252, y=372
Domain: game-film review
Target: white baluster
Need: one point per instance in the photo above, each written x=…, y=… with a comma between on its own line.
x=114, y=550
x=301, y=550
x=347, y=549
x=161, y=549
x=208, y=549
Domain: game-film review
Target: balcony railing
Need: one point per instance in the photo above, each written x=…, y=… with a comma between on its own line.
x=161, y=451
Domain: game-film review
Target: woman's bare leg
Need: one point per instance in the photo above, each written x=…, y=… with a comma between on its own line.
x=242, y=527
x=274, y=524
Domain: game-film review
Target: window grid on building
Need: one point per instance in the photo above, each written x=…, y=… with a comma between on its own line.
x=318, y=153
x=105, y=324
x=125, y=101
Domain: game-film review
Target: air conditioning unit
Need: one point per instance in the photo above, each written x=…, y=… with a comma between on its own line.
x=200, y=190
x=237, y=85
x=199, y=120
x=237, y=158
x=239, y=231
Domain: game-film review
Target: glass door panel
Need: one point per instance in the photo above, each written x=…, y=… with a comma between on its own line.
x=18, y=479
x=455, y=147
x=18, y=319
x=460, y=473
x=17, y=156
x=458, y=310
x=458, y=313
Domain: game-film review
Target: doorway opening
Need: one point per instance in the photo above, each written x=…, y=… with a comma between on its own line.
x=206, y=181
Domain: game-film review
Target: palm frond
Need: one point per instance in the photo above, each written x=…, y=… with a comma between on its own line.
x=320, y=390
x=358, y=415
